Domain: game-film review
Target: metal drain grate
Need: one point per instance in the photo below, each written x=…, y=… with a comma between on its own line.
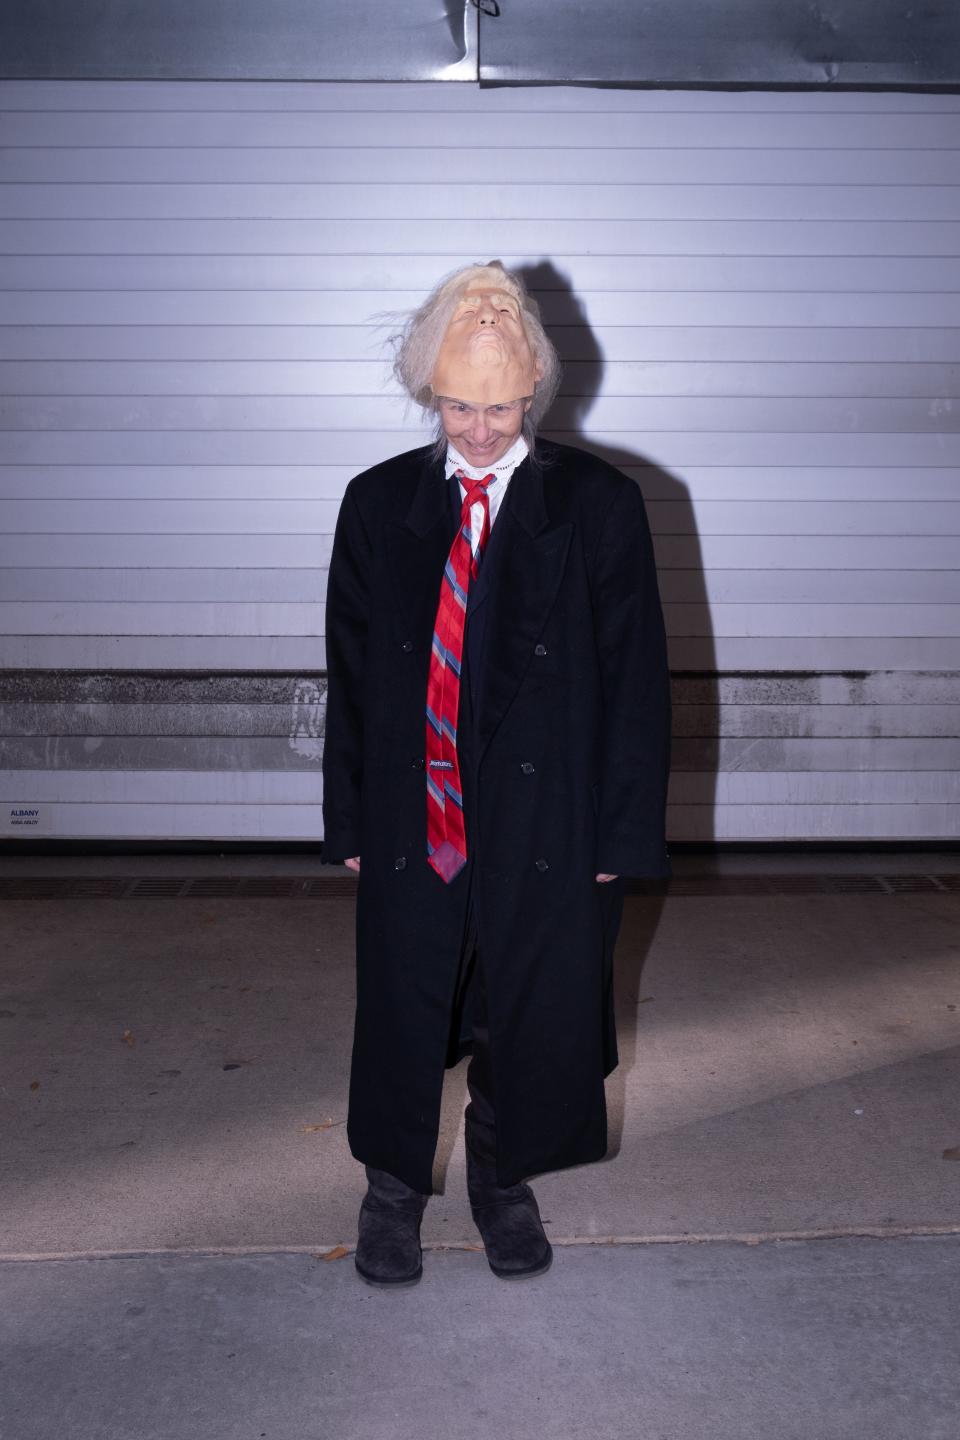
x=914, y=883
x=798, y=885
x=298, y=887
x=157, y=885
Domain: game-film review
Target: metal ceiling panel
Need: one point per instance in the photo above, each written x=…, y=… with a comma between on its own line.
x=796, y=43
x=237, y=40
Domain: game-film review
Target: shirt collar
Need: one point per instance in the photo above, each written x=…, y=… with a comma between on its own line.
x=503, y=469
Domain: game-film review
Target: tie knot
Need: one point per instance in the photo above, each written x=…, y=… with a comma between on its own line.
x=476, y=489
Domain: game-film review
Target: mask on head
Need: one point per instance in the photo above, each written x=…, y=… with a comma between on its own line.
x=485, y=357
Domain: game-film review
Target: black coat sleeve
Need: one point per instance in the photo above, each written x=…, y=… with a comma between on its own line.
x=347, y=610
x=632, y=651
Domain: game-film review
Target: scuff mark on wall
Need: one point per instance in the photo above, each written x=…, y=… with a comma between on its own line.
x=306, y=730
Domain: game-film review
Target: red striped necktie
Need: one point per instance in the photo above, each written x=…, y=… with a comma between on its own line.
x=446, y=836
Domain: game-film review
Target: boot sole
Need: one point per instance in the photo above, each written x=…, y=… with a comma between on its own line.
x=528, y=1274
x=382, y=1284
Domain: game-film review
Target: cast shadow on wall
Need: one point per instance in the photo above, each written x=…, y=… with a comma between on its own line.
x=696, y=729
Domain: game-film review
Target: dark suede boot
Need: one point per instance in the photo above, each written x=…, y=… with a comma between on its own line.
x=388, y=1239
x=507, y=1217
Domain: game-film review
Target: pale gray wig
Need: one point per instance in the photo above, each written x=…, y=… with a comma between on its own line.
x=417, y=345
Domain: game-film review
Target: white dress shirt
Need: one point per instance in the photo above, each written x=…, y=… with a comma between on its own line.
x=497, y=488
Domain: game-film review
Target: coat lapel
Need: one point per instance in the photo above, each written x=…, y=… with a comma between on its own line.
x=529, y=571
x=416, y=553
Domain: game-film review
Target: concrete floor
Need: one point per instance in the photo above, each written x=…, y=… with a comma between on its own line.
x=173, y=1077
x=826, y=1338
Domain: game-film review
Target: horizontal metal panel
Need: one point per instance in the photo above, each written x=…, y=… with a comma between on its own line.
x=125, y=687
x=726, y=379
x=314, y=482
x=760, y=690
x=358, y=122
x=810, y=721
x=800, y=518
x=675, y=450
x=742, y=42
x=188, y=652
x=175, y=716
x=162, y=652
x=613, y=413
x=293, y=40
x=804, y=823
x=362, y=448
x=308, y=585
x=824, y=691
x=772, y=620
x=782, y=482
x=667, y=519
x=172, y=716
x=143, y=753
x=279, y=516
x=211, y=377
x=238, y=617
x=607, y=289
x=277, y=205
x=175, y=820
x=181, y=517
x=633, y=163
x=185, y=820
x=203, y=583
x=912, y=787
x=798, y=552
x=601, y=345
x=166, y=482
x=251, y=784
x=815, y=653
x=836, y=588
x=120, y=302
x=423, y=98
x=137, y=755
x=247, y=784
x=168, y=617
x=230, y=552
x=785, y=753
x=223, y=447
x=869, y=552
x=702, y=520
x=210, y=342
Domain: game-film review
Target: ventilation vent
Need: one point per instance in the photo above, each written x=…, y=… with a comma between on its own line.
x=294, y=887
x=798, y=885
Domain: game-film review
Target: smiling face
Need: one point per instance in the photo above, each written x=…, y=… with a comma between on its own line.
x=482, y=433
x=485, y=358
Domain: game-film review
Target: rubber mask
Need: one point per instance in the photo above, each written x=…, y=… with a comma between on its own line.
x=485, y=357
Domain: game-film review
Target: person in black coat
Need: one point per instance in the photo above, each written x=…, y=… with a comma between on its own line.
x=495, y=763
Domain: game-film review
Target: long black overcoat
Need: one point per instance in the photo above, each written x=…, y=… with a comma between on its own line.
x=565, y=778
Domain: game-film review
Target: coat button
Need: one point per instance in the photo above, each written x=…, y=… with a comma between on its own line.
x=407, y=646
x=540, y=650
x=400, y=863
x=417, y=762
x=542, y=865
x=527, y=767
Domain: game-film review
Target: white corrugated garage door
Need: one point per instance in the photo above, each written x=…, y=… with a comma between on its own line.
x=756, y=296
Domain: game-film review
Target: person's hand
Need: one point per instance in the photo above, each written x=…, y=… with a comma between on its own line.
x=604, y=878
x=353, y=864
